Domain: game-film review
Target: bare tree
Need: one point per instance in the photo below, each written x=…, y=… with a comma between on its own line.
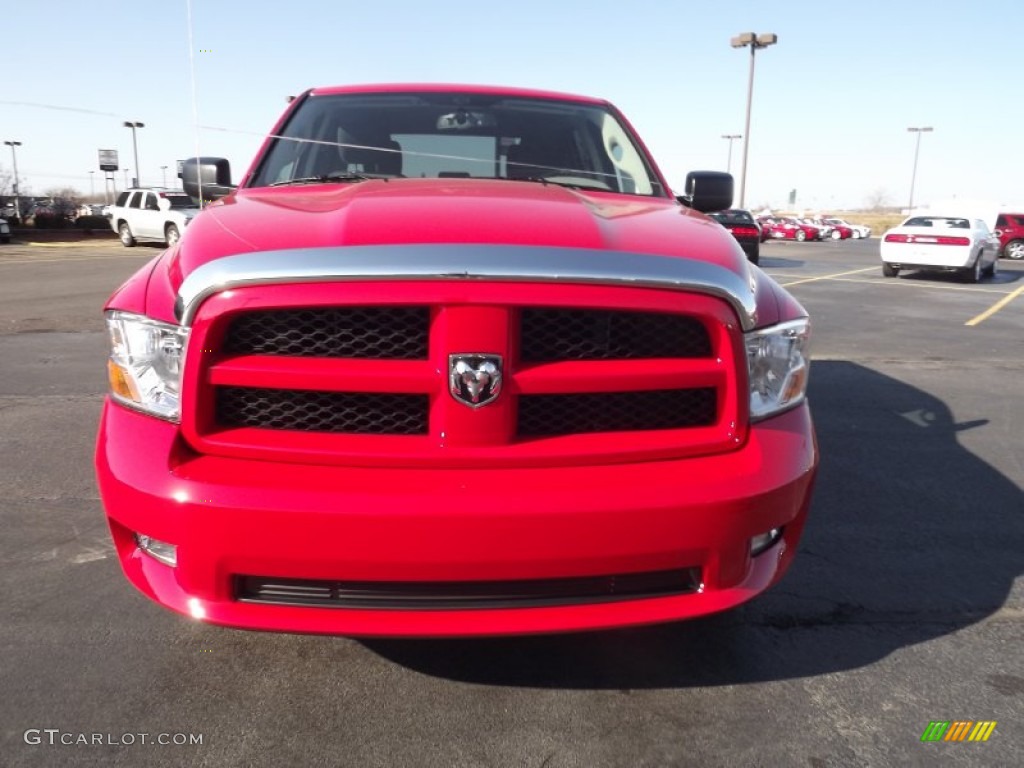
x=879, y=199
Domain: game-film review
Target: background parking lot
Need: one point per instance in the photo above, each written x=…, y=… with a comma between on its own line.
x=904, y=605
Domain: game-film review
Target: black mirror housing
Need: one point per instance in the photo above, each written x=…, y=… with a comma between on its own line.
x=708, y=191
x=206, y=178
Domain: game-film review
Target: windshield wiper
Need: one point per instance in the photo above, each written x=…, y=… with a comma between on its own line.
x=570, y=183
x=327, y=178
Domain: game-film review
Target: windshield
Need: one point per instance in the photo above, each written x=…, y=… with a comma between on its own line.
x=733, y=217
x=179, y=201
x=937, y=221
x=457, y=135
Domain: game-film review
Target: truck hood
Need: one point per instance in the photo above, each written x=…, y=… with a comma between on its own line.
x=444, y=211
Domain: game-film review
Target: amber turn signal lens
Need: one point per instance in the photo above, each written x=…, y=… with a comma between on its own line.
x=119, y=384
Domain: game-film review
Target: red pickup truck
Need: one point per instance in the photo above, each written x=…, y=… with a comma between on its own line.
x=449, y=361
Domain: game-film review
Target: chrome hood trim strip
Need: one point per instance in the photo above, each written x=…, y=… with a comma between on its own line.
x=505, y=263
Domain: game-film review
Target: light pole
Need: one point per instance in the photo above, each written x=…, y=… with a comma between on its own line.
x=135, y=146
x=163, y=168
x=730, y=137
x=913, y=174
x=92, y=184
x=755, y=42
x=126, y=178
x=14, y=162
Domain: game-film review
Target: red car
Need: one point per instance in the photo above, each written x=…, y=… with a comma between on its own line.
x=833, y=229
x=454, y=361
x=1010, y=231
x=790, y=229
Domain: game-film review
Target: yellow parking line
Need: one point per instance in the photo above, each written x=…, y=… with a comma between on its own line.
x=66, y=259
x=995, y=307
x=73, y=244
x=931, y=286
x=829, y=277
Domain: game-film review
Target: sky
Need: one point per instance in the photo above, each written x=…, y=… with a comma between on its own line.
x=832, y=101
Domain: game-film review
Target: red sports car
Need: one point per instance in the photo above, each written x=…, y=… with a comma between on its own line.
x=790, y=229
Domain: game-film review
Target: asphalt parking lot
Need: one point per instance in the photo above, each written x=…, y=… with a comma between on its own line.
x=904, y=606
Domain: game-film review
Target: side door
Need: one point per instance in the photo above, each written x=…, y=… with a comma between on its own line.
x=132, y=213
x=150, y=218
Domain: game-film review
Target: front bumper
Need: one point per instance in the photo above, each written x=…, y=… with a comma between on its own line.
x=232, y=517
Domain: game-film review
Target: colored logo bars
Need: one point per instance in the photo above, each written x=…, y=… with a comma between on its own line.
x=958, y=730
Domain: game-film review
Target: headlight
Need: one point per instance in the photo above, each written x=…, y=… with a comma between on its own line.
x=778, y=361
x=145, y=363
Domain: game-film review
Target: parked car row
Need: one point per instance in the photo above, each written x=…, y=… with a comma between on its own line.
x=801, y=229
x=750, y=232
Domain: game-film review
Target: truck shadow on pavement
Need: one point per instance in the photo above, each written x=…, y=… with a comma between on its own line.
x=911, y=537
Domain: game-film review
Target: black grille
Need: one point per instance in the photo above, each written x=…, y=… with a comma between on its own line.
x=549, y=415
x=439, y=595
x=548, y=335
x=377, y=333
x=347, y=412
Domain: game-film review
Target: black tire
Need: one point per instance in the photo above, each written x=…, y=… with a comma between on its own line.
x=972, y=274
x=800, y=236
x=888, y=270
x=992, y=270
x=1014, y=250
x=172, y=234
x=127, y=238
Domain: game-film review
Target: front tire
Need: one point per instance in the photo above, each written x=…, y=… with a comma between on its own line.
x=172, y=234
x=837, y=235
x=127, y=238
x=1014, y=250
x=888, y=270
x=800, y=235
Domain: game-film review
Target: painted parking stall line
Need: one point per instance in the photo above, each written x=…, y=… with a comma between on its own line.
x=828, y=277
x=977, y=319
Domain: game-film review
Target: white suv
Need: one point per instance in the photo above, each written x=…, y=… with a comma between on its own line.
x=157, y=215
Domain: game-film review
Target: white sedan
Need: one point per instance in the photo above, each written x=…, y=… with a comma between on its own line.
x=943, y=243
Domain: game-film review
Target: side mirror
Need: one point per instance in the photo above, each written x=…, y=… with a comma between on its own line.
x=206, y=178
x=707, y=191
